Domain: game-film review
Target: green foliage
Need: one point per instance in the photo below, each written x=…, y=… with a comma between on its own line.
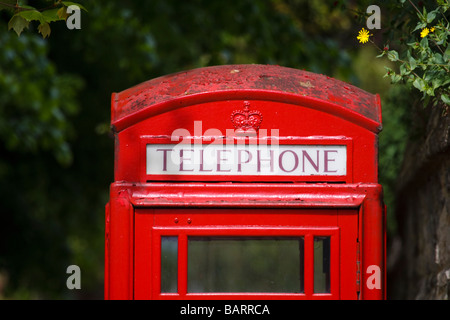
x=398, y=128
x=24, y=14
x=57, y=155
x=36, y=101
x=423, y=53
x=37, y=104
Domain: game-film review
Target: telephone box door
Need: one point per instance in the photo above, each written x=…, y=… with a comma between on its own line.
x=220, y=253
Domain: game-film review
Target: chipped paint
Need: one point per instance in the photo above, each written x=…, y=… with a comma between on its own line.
x=246, y=82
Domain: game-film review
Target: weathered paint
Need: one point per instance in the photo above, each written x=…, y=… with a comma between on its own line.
x=306, y=109
x=234, y=82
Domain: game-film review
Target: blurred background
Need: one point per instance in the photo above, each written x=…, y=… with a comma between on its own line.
x=56, y=149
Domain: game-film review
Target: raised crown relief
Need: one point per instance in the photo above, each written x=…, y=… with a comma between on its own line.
x=246, y=122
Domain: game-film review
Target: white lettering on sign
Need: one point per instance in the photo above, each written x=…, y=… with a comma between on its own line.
x=246, y=160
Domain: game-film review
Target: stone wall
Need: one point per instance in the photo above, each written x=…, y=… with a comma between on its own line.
x=419, y=258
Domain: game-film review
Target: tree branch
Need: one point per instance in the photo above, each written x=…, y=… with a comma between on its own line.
x=15, y=6
x=420, y=13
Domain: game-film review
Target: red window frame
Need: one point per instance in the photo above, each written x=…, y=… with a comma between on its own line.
x=153, y=223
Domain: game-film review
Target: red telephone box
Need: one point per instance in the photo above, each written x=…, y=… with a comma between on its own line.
x=245, y=182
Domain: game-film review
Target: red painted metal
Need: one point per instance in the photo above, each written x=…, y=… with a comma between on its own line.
x=153, y=292
x=296, y=108
x=249, y=82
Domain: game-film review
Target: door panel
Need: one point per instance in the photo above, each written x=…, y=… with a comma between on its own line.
x=245, y=253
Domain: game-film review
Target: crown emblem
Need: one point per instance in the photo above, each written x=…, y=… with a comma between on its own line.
x=246, y=122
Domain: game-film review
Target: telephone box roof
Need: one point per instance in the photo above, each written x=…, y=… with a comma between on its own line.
x=245, y=82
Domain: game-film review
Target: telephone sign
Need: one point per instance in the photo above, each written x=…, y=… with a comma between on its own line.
x=284, y=160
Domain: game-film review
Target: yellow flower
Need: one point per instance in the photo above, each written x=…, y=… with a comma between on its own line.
x=363, y=36
x=432, y=29
x=424, y=32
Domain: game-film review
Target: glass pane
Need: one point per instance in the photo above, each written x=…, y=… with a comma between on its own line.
x=245, y=264
x=321, y=264
x=169, y=264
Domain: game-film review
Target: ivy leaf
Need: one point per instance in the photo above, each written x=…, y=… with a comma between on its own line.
x=17, y=23
x=44, y=29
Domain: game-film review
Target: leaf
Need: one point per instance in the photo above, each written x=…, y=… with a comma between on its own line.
x=424, y=13
x=437, y=58
x=69, y=3
x=393, y=55
x=420, y=84
x=437, y=82
x=17, y=23
x=420, y=26
x=424, y=42
x=412, y=61
x=31, y=15
x=381, y=54
x=446, y=81
x=395, y=78
x=405, y=69
x=62, y=13
x=445, y=98
x=44, y=29
x=51, y=15
x=432, y=15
